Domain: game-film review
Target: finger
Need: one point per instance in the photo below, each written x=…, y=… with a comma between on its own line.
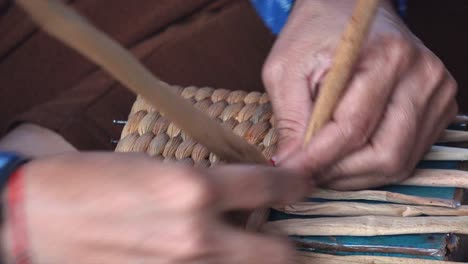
x=243, y=247
x=353, y=122
x=364, y=103
x=179, y=237
x=288, y=142
x=385, y=151
x=372, y=180
x=250, y=187
x=291, y=81
x=291, y=99
x=441, y=111
x=359, y=182
x=389, y=150
x=441, y=108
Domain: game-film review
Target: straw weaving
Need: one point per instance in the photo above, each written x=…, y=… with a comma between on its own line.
x=249, y=115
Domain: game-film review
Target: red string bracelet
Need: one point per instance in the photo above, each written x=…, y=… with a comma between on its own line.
x=16, y=214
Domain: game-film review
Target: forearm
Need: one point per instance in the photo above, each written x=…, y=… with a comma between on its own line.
x=336, y=9
x=341, y=3
x=31, y=141
x=34, y=141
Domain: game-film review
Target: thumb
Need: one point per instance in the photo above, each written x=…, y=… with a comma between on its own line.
x=292, y=101
x=289, y=141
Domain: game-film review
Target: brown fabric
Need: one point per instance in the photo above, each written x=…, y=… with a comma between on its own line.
x=441, y=25
x=219, y=43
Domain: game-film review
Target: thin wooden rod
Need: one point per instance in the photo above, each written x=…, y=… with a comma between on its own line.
x=453, y=136
x=363, y=209
x=314, y=258
x=346, y=55
x=461, y=119
x=438, y=178
x=317, y=246
x=371, y=226
x=383, y=196
x=66, y=25
x=446, y=154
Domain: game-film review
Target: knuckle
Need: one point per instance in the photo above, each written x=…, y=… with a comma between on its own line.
x=399, y=49
x=355, y=130
x=196, y=189
x=195, y=242
x=399, y=177
x=337, y=171
x=434, y=68
x=273, y=71
x=451, y=88
x=289, y=126
x=453, y=111
x=283, y=251
x=391, y=163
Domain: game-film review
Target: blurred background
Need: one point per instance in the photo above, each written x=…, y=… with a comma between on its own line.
x=443, y=27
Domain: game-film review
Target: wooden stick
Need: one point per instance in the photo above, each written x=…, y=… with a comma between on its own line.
x=317, y=246
x=69, y=27
x=363, y=209
x=447, y=153
x=461, y=119
x=66, y=25
x=453, y=136
x=383, y=196
x=314, y=258
x=371, y=226
x=438, y=178
x=346, y=56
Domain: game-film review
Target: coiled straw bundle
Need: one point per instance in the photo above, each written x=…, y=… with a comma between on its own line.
x=249, y=115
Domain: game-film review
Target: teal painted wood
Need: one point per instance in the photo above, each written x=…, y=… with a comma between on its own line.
x=428, y=246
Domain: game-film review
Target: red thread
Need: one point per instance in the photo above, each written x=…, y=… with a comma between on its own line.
x=17, y=220
x=273, y=162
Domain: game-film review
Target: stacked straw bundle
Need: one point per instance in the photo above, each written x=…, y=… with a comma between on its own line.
x=249, y=115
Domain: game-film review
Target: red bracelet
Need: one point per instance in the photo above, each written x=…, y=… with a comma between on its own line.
x=16, y=214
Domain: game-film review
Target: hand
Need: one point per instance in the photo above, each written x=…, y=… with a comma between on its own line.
x=128, y=208
x=34, y=141
x=397, y=103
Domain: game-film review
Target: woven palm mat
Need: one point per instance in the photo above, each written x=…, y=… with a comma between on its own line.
x=249, y=115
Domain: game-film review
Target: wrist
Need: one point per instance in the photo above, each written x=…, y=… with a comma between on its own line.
x=325, y=7
x=10, y=165
x=34, y=141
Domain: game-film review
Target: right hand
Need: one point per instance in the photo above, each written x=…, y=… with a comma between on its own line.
x=399, y=100
x=128, y=208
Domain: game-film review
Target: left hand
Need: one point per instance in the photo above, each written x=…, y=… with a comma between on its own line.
x=115, y=208
x=399, y=100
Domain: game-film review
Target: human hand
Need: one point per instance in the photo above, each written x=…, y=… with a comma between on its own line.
x=399, y=100
x=128, y=208
x=34, y=141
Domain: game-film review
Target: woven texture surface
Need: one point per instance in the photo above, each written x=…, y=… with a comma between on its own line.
x=249, y=115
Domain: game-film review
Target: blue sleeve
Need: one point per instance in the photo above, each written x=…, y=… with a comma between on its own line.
x=275, y=12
